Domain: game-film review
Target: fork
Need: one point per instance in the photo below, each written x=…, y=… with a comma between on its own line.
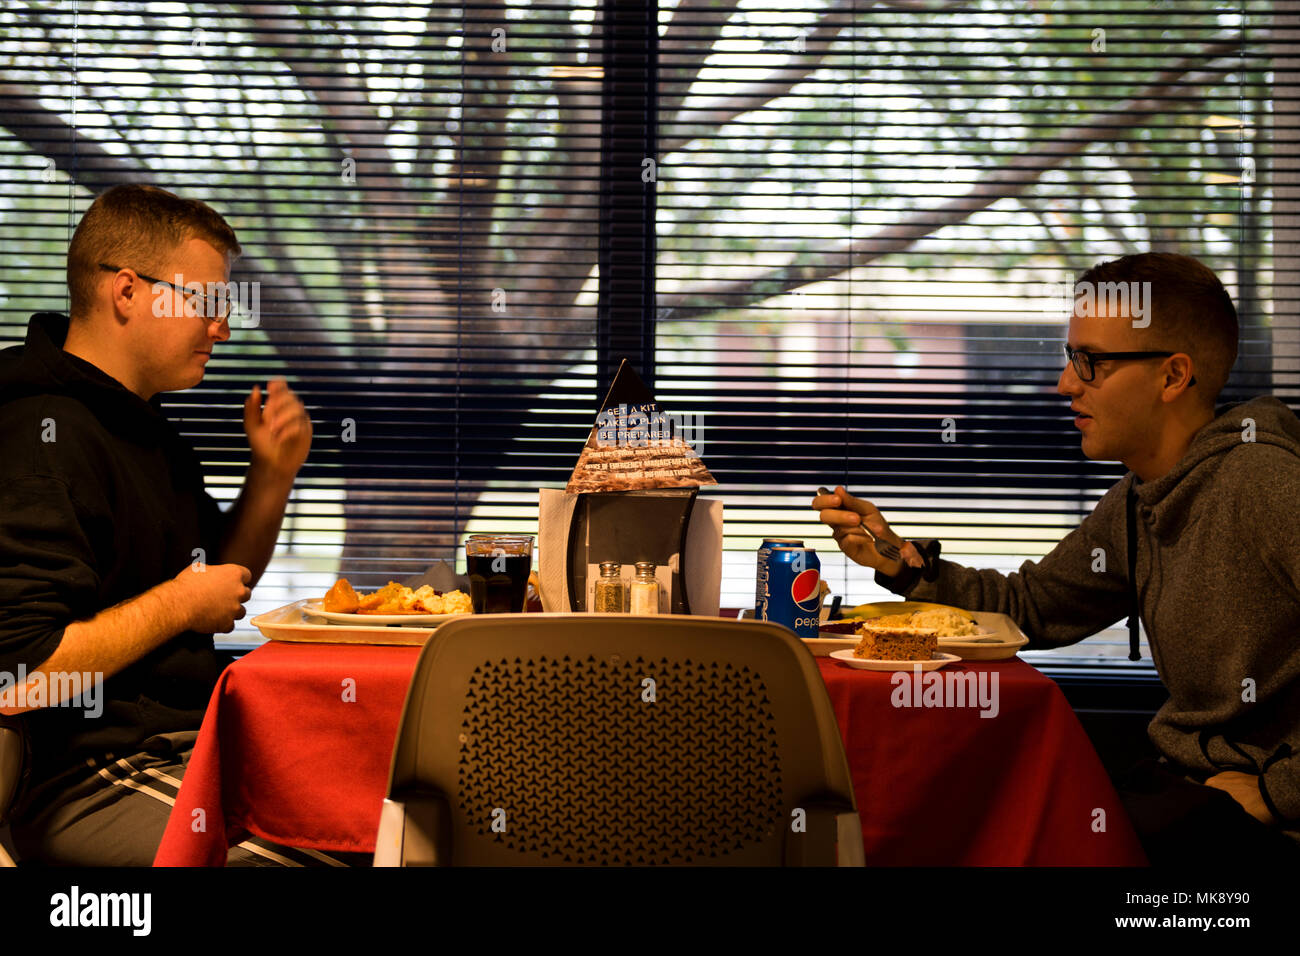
x=886, y=549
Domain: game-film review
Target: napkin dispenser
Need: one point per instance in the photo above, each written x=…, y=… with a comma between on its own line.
x=673, y=527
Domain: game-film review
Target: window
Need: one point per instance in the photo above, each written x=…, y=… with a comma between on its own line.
x=851, y=245
x=869, y=218
x=415, y=187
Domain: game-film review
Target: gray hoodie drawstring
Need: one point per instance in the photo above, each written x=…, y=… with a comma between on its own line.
x=1134, y=609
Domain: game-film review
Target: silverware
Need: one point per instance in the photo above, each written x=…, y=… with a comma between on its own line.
x=886, y=549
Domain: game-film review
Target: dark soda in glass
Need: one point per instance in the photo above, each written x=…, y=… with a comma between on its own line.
x=498, y=583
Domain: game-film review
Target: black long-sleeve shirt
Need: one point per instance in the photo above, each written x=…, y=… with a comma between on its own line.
x=100, y=500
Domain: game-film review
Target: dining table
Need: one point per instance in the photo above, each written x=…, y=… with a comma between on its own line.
x=297, y=740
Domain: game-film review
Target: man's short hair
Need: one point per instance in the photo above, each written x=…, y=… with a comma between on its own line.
x=1189, y=309
x=137, y=227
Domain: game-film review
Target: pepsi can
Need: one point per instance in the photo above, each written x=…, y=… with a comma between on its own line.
x=794, y=590
x=761, y=591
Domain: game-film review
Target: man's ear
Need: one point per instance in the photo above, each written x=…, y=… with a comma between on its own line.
x=125, y=289
x=1180, y=375
x=129, y=294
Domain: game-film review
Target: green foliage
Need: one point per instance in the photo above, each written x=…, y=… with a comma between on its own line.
x=461, y=149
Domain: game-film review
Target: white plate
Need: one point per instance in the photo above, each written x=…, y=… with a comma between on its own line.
x=292, y=623
x=991, y=622
x=867, y=664
x=313, y=608
x=824, y=645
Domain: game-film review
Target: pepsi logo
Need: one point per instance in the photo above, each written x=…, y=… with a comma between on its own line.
x=804, y=590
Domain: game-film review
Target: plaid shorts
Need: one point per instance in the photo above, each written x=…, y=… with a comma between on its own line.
x=113, y=811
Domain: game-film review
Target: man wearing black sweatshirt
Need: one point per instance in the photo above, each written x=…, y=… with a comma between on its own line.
x=1198, y=539
x=116, y=565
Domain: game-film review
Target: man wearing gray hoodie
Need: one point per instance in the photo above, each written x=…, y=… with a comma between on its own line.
x=1198, y=539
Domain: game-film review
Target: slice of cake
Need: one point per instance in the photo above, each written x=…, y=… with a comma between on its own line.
x=883, y=642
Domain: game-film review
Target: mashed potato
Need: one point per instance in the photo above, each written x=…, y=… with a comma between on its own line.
x=456, y=602
x=948, y=623
x=945, y=623
x=453, y=602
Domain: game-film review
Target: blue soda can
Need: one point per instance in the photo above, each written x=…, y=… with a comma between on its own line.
x=761, y=590
x=794, y=591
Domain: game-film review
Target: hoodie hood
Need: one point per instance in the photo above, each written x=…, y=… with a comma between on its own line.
x=1166, y=503
x=40, y=366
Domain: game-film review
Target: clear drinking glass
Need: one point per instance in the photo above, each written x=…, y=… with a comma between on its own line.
x=498, y=566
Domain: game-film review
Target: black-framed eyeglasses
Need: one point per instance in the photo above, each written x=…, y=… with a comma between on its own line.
x=211, y=305
x=1085, y=363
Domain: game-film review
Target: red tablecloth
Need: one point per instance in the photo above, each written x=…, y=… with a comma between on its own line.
x=943, y=786
x=297, y=740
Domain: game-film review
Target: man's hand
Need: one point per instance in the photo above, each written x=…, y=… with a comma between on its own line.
x=279, y=435
x=207, y=601
x=212, y=599
x=1244, y=788
x=843, y=514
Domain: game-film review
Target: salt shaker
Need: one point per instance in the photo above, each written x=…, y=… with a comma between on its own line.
x=645, y=589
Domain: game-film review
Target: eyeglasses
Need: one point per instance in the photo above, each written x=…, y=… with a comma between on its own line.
x=1085, y=363
x=211, y=305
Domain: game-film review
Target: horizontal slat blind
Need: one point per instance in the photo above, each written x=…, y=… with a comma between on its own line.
x=415, y=187
x=868, y=215
x=865, y=217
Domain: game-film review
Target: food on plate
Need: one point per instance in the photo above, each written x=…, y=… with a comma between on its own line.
x=394, y=598
x=839, y=627
x=452, y=602
x=945, y=623
x=389, y=594
x=885, y=642
x=341, y=598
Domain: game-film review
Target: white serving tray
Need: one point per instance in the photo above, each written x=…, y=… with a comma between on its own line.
x=293, y=623
x=1010, y=640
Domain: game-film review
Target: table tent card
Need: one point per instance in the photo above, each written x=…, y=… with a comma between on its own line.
x=633, y=496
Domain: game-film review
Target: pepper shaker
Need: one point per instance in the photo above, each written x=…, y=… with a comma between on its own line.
x=611, y=592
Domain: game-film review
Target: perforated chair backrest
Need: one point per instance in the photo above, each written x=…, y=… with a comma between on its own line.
x=612, y=739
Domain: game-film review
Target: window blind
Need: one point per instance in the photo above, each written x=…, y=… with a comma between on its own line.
x=860, y=222
x=870, y=216
x=415, y=187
